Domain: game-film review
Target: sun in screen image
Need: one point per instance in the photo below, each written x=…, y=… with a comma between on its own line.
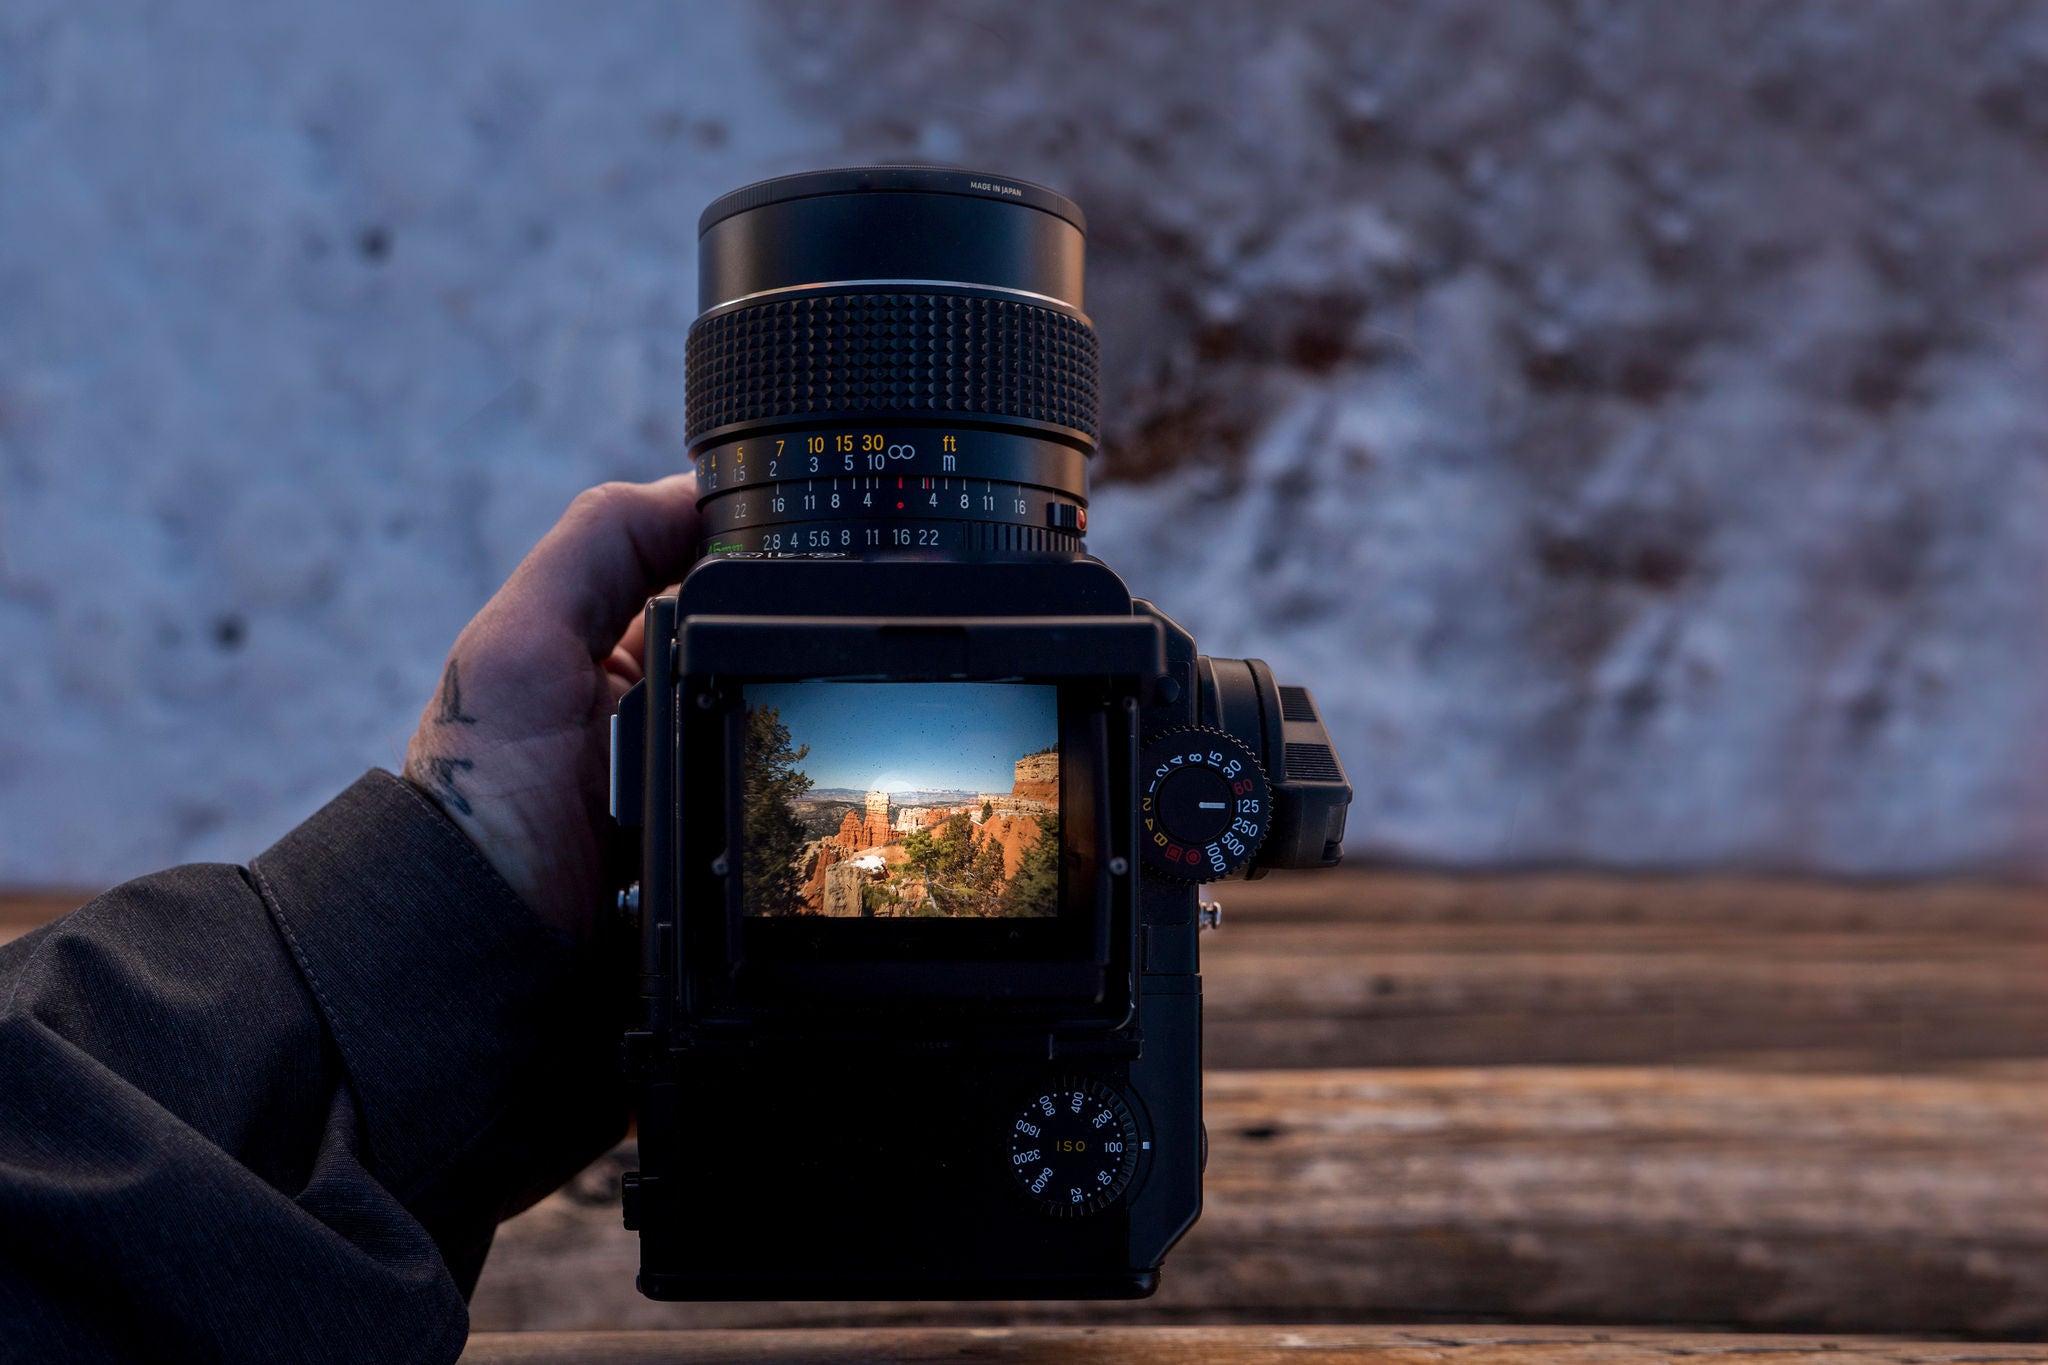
x=902, y=800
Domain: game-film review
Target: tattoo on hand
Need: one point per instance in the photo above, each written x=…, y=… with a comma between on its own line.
x=450, y=711
x=438, y=776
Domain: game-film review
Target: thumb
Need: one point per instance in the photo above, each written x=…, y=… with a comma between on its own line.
x=617, y=544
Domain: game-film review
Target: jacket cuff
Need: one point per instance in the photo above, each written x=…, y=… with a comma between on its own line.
x=438, y=986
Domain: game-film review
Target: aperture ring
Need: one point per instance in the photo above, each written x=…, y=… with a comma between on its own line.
x=899, y=352
x=935, y=540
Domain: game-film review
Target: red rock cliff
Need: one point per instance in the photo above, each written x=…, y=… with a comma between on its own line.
x=862, y=830
x=1014, y=833
x=1038, y=778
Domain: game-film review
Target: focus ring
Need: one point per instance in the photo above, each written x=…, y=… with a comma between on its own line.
x=860, y=354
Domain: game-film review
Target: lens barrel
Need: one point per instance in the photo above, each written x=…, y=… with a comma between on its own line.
x=892, y=361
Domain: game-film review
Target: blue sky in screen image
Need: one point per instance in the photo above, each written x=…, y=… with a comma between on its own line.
x=905, y=736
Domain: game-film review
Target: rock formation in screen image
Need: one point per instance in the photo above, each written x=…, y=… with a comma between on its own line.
x=844, y=885
x=1011, y=831
x=985, y=857
x=1038, y=777
x=1034, y=785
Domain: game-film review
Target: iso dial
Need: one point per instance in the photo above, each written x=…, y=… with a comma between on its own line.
x=1205, y=803
x=1074, y=1148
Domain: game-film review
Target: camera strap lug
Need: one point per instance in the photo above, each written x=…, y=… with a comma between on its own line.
x=633, y=1187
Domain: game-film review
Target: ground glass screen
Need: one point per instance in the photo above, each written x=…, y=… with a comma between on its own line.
x=902, y=800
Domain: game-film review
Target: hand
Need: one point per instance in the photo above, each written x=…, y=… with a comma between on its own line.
x=515, y=745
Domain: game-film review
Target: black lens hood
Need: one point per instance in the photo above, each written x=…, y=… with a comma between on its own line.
x=901, y=225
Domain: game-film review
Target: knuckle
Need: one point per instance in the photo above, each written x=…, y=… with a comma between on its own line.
x=602, y=502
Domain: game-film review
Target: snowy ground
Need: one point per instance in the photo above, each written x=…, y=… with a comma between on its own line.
x=1626, y=418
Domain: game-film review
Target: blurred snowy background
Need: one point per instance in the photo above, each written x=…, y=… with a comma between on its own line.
x=1629, y=418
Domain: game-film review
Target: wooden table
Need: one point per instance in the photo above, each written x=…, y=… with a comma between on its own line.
x=1763, y=1104
x=1289, y=1345
x=1553, y=1098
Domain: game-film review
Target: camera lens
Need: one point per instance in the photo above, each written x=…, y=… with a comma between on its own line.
x=892, y=361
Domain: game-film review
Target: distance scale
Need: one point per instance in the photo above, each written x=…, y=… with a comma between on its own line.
x=893, y=452
x=892, y=490
x=1075, y=1147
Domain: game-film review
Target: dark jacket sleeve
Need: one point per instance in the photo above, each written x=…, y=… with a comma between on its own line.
x=275, y=1113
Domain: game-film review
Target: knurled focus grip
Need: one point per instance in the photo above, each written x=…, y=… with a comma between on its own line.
x=905, y=353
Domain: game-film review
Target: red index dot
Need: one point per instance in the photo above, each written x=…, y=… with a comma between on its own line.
x=899, y=507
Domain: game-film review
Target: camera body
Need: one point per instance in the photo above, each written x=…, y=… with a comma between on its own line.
x=923, y=795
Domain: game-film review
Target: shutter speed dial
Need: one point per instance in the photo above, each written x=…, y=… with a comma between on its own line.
x=1205, y=802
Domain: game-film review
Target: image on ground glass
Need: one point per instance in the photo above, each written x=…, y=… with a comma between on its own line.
x=902, y=800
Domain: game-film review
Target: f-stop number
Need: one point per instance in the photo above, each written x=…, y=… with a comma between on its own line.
x=1074, y=1148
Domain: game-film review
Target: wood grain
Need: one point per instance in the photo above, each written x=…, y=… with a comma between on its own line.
x=1387, y=969
x=1548, y=1096
x=1412, y=969
x=1853, y=1203
x=1289, y=1345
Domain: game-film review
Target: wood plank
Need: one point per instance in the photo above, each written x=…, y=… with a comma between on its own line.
x=1380, y=969
x=1912, y=1204
x=1383, y=968
x=1340, y=995
x=1287, y=1345
x=1393, y=896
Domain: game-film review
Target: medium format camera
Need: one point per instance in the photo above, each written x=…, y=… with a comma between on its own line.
x=923, y=795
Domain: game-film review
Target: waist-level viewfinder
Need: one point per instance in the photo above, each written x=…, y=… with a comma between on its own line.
x=923, y=795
